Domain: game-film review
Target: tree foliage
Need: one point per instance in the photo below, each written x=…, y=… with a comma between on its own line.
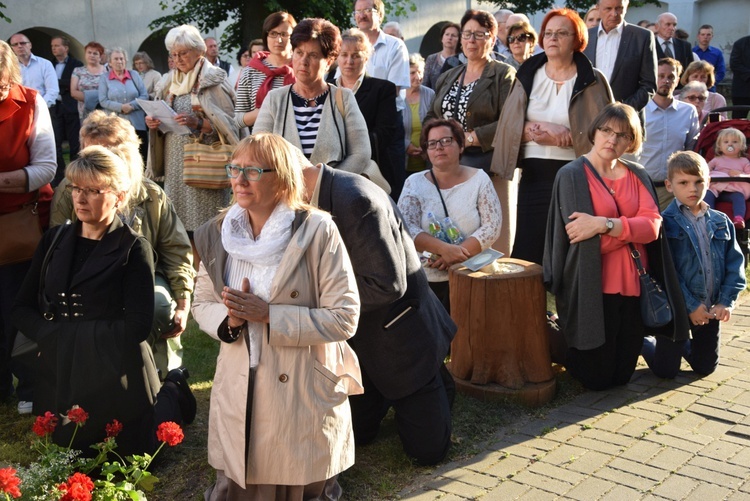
x=2, y=12
x=530, y=7
x=246, y=16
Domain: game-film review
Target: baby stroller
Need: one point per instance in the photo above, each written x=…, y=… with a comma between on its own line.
x=705, y=147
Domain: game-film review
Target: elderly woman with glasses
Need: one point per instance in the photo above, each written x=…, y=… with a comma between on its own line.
x=204, y=102
x=276, y=287
x=703, y=71
x=521, y=42
x=458, y=198
x=543, y=126
x=695, y=93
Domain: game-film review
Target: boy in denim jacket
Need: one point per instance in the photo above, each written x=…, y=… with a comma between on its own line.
x=709, y=263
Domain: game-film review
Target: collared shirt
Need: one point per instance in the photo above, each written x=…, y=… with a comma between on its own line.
x=125, y=76
x=661, y=41
x=357, y=84
x=607, y=46
x=60, y=67
x=704, y=244
x=40, y=75
x=674, y=128
x=502, y=49
x=714, y=56
x=390, y=61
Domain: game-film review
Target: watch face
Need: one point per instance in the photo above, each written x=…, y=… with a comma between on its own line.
x=610, y=224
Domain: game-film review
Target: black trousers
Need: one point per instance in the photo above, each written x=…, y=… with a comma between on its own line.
x=66, y=126
x=701, y=352
x=423, y=419
x=613, y=363
x=11, y=278
x=534, y=195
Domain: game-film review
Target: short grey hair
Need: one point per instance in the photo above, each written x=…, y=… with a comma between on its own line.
x=359, y=38
x=395, y=26
x=416, y=59
x=117, y=49
x=185, y=36
x=695, y=86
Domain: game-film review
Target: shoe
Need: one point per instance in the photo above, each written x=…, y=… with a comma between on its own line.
x=25, y=407
x=739, y=222
x=188, y=405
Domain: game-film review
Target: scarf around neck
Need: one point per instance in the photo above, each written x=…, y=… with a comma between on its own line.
x=183, y=83
x=270, y=72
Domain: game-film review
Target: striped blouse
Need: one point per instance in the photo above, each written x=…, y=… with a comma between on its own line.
x=308, y=121
x=249, y=83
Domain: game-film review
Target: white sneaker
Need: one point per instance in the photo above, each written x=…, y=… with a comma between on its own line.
x=25, y=407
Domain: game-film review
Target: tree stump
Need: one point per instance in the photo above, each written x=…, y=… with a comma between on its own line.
x=501, y=345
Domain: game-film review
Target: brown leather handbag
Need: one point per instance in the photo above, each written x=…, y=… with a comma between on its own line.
x=21, y=232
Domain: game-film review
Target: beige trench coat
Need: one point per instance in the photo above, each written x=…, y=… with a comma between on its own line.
x=301, y=429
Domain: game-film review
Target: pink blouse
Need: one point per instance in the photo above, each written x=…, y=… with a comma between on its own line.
x=641, y=221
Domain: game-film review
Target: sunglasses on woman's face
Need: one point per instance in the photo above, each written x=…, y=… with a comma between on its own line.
x=523, y=38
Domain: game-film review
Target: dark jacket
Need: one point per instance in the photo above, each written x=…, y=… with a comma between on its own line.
x=739, y=63
x=485, y=102
x=633, y=79
x=69, y=103
x=573, y=273
x=92, y=353
x=377, y=102
x=403, y=357
x=683, y=52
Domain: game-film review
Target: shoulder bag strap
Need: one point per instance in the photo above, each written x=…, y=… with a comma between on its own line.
x=633, y=251
x=437, y=186
x=43, y=302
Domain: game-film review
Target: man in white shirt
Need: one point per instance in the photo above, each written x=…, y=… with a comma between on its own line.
x=212, y=54
x=625, y=53
x=36, y=72
x=671, y=126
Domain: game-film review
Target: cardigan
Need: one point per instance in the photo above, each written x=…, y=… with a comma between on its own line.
x=341, y=139
x=573, y=273
x=114, y=93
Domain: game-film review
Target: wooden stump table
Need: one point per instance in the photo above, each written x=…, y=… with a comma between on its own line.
x=501, y=348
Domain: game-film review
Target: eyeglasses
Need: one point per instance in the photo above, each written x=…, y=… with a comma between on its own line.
x=619, y=136
x=557, y=34
x=278, y=34
x=250, y=173
x=523, y=37
x=19, y=43
x=443, y=141
x=86, y=192
x=363, y=12
x=695, y=98
x=179, y=55
x=477, y=35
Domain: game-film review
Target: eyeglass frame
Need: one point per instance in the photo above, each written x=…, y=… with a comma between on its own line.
x=523, y=37
x=702, y=99
x=619, y=136
x=19, y=43
x=179, y=55
x=479, y=36
x=363, y=12
x=557, y=34
x=279, y=34
x=86, y=192
x=446, y=141
x=242, y=171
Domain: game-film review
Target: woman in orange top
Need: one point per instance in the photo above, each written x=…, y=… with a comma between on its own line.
x=27, y=165
x=601, y=204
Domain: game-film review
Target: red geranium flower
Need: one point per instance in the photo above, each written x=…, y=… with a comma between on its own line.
x=9, y=482
x=170, y=432
x=113, y=429
x=78, y=415
x=44, y=425
x=77, y=488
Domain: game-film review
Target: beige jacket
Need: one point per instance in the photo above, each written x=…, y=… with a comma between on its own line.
x=301, y=429
x=216, y=98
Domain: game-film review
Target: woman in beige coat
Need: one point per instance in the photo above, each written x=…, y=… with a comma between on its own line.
x=275, y=285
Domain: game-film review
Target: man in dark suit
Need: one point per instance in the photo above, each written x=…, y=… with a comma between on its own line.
x=64, y=114
x=666, y=42
x=404, y=332
x=739, y=62
x=625, y=53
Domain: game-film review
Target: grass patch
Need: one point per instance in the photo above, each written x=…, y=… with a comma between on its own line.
x=381, y=471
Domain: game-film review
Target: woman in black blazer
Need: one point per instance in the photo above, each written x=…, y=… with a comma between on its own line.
x=377, y=102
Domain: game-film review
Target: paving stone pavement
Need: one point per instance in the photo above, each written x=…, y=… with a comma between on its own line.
x=654, y=439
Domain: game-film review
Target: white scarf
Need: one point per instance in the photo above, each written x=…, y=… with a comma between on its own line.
x=183, y=83
x=256, y=259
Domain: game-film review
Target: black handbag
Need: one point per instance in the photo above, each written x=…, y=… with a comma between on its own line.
x=22, y=344
x=655, y=308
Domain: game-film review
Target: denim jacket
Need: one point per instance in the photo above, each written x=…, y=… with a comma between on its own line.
x=726, y=257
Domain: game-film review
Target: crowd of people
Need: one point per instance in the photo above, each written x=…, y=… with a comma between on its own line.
x=355, y=176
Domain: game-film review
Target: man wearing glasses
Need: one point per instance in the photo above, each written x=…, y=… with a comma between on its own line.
x=36, y=72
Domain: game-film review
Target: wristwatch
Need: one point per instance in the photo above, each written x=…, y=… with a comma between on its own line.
x=610, y=225
x=470, y=139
